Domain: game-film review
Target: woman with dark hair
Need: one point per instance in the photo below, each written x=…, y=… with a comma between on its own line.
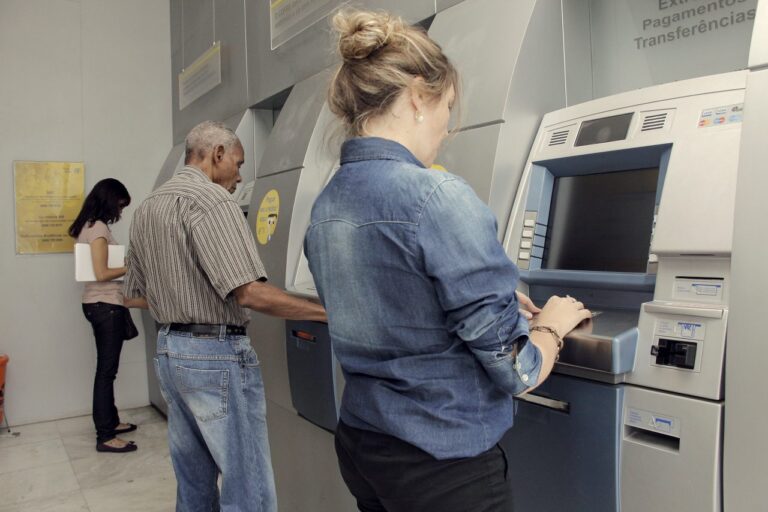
x=105, y=308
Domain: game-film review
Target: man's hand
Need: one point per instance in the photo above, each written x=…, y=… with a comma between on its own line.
x=138, y=302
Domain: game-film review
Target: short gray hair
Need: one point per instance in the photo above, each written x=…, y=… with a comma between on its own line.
x=207, y=135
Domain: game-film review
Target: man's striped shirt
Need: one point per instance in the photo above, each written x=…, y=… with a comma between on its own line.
x=190, y=247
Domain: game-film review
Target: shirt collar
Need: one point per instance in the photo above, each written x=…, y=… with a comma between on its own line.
x=194, y=172
x=376, y=148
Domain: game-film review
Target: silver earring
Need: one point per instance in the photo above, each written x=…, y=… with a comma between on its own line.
x=419, y=117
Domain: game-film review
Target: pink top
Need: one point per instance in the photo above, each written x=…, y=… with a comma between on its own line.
x=110, y=292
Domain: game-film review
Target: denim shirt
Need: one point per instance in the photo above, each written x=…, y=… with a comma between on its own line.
x=421, y=302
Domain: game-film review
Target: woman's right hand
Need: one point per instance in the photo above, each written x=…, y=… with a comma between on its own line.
x=562, y=314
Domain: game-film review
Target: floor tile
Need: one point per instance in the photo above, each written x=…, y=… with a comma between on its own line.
x=151, y=436
x=26, y=456
x=145, y=494
x=37, y=483
x=68, y=502
x=78, y=425
x=29, y=434
x=142, y=415
x=79, y=446
x=108, y=468
x=54, y=467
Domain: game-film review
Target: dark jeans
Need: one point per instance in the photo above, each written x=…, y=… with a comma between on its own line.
x=386, y=474
x=108, y=322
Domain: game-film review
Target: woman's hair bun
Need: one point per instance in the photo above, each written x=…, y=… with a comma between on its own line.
x=362, y=33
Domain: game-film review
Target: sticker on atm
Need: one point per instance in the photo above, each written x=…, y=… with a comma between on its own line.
x=699, y=290
x=266, y=217
x=723, y=115
x=648, y=420
x=691, y=330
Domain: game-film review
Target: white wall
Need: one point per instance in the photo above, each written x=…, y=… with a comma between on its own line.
x=80, y=80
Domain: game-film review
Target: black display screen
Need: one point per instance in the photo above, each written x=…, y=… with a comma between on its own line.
x=607, y=129
x=602, y=222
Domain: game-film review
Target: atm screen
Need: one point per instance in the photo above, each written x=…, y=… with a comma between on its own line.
x=601, y=222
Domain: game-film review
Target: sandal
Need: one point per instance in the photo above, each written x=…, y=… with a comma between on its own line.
x=104, y=447
x=130, y=428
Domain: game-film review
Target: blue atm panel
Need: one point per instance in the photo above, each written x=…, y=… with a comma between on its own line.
x=311, y=372
x=571, y=446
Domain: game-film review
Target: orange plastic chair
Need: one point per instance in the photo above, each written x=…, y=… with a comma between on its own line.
x=3, y=363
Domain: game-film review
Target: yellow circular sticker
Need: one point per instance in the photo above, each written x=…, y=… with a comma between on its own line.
x=266, y=218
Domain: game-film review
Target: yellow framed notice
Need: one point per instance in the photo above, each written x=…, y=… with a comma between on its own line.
x=48, y=197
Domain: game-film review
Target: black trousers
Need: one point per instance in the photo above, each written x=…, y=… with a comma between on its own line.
x=386, y=474
x=108, y=322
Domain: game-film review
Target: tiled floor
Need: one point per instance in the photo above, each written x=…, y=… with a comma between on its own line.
x=54, y=466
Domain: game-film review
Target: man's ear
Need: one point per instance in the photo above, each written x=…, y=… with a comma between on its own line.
x=218, y=154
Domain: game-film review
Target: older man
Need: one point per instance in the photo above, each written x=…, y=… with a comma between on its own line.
x=194, y=259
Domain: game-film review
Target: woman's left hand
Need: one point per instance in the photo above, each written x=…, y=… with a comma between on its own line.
x=528, y=308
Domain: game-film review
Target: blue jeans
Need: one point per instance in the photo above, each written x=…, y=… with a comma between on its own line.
x=216, y=422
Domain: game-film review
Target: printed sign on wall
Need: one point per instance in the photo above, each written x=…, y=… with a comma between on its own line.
x=201, y=76
x=288, y=18
x=48, y=197
x=638, y=43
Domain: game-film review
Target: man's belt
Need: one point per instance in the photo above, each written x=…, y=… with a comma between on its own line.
x=208, y=329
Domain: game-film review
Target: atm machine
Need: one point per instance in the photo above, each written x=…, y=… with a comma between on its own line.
x=297, y=163
x=298, y=371
x=252, y=127
x=627, y=203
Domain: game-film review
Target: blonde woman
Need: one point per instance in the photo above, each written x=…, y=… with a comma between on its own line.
x=420, y=295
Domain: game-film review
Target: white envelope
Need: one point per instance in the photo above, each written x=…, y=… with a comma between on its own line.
x=84, y=263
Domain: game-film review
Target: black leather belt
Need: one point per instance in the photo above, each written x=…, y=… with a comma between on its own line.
x=208, y=329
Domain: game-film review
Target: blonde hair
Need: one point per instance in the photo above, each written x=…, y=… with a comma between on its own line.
x=381, y=56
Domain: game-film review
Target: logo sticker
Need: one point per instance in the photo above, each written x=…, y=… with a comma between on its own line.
x=266, y=218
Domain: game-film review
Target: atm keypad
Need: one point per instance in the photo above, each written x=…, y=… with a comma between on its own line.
x=525, y=251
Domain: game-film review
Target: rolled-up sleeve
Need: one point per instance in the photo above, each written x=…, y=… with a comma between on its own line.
x=226, y=248
x=476, y=283
x=135, y=282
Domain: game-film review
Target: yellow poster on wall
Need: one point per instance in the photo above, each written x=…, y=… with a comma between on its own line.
x=48, y=198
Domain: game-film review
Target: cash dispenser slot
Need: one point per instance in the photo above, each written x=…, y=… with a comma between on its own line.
x=680, y=333
x=678, y=353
